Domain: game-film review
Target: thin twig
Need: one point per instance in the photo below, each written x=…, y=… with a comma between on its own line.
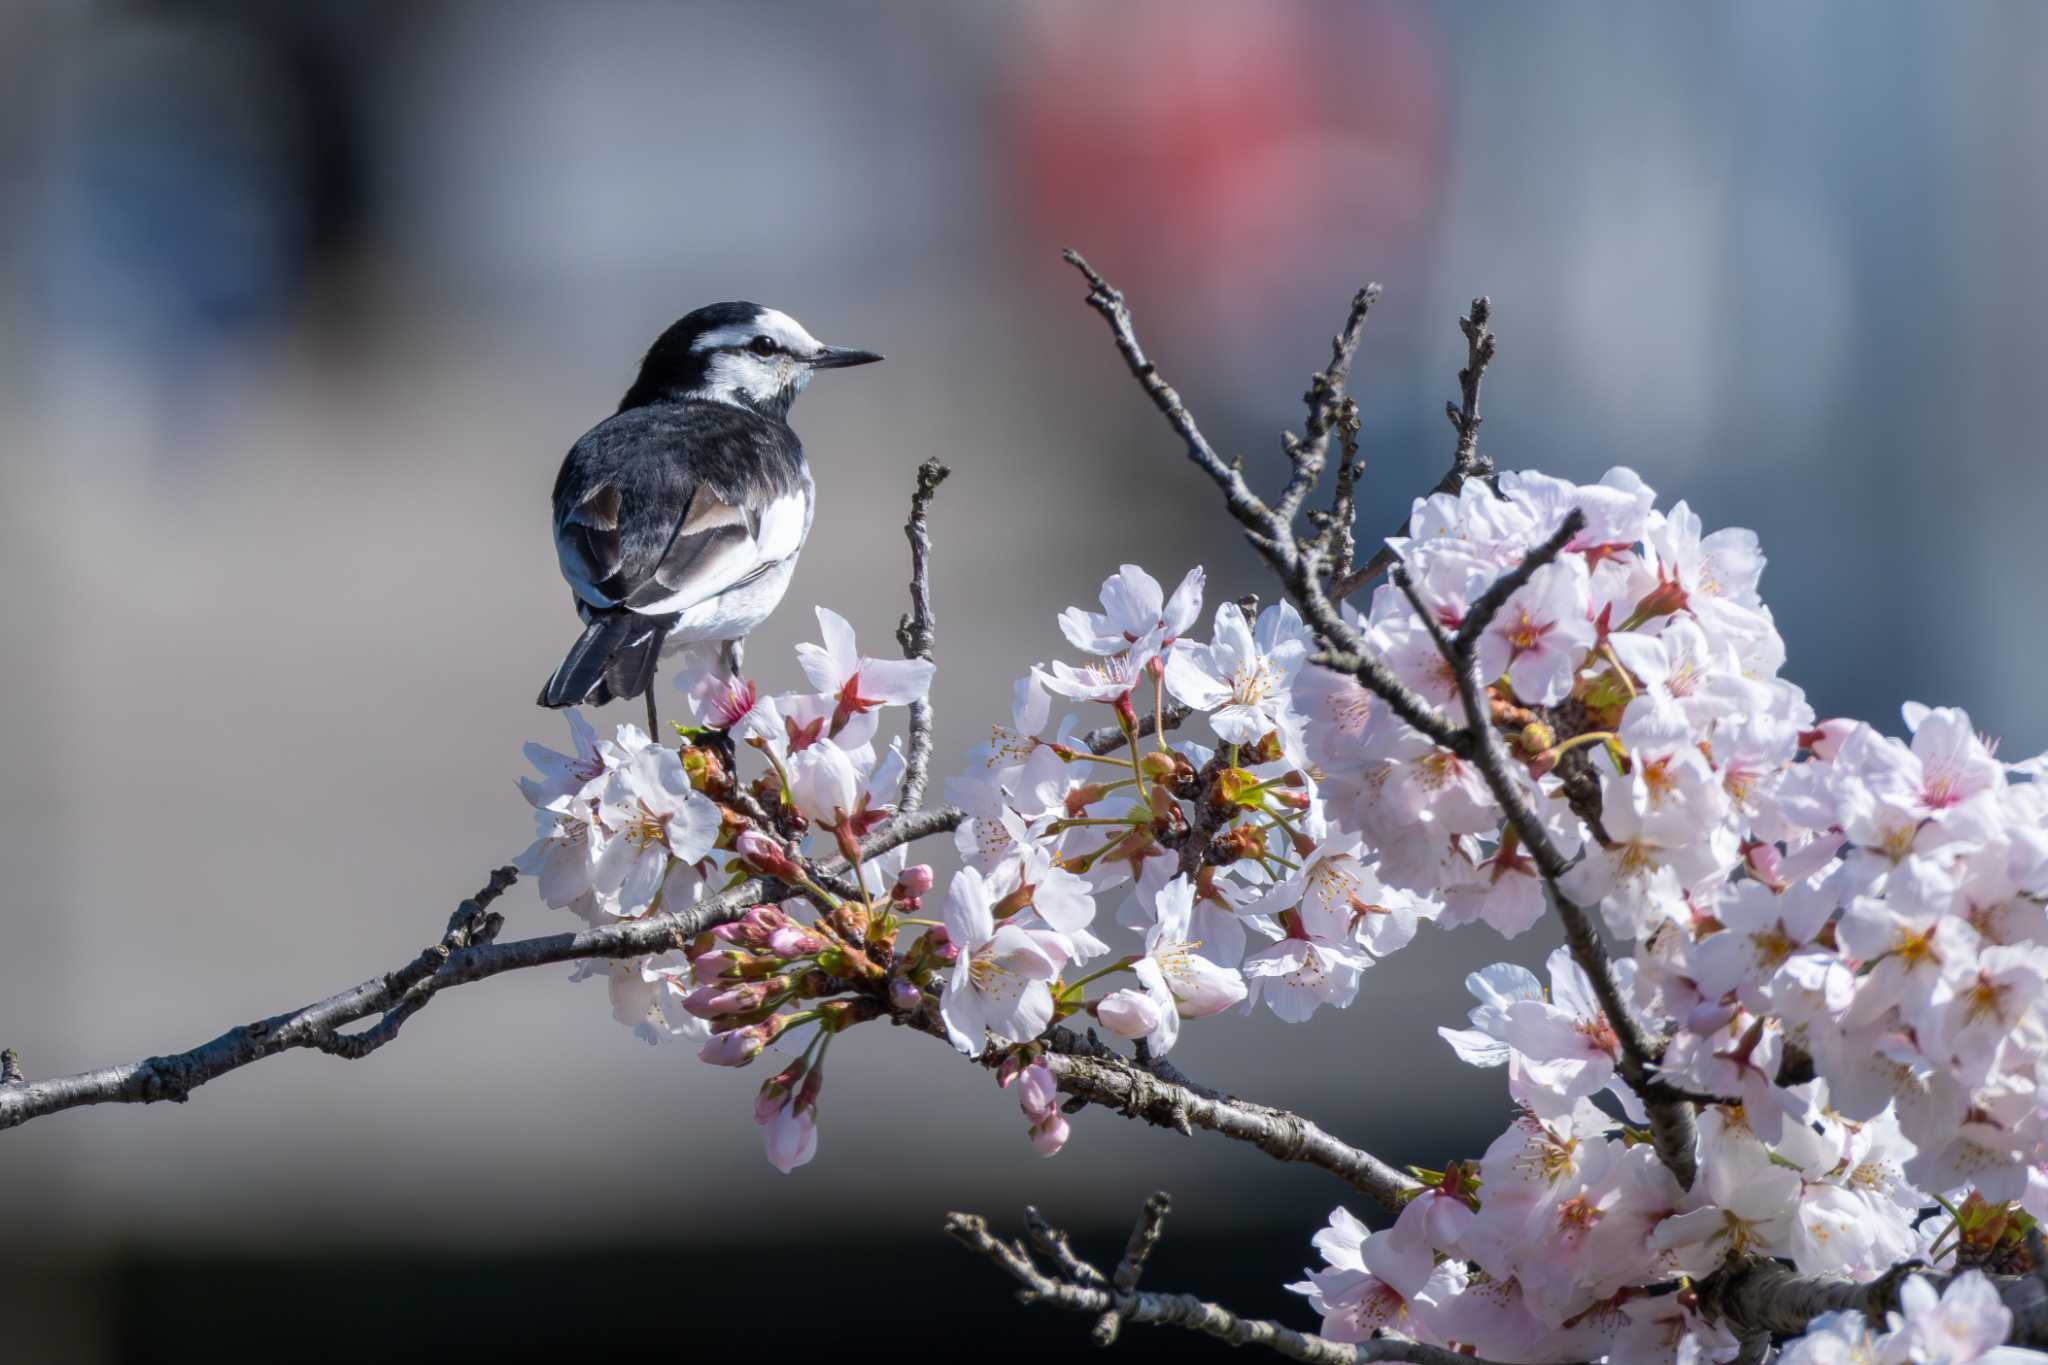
x=1145, y=1235
x=1466, y=461
x=1488, y=604
x=1298, y=566
x=176, y=1076
x=915, y=631
x=1084, y=1289
x=1324, y=399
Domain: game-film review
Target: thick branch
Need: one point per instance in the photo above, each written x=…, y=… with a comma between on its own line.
x=1758, y=1295
x=1079, y=1287
x=914, y=633
x=405, y=991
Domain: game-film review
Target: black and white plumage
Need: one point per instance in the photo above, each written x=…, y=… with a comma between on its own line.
x=678, y=519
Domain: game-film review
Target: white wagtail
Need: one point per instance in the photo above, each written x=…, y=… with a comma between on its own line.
x=678, y=519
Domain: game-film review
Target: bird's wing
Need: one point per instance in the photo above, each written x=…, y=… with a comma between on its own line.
x=657, y=511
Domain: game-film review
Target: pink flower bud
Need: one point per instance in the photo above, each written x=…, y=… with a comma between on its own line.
x=708, y=1002
x=1037, y=1095
x=711, y=967
x=913, y=883
x=1008, y=1070
x=742, y=1045
x=904, y=995
x=1048, y=1137
x=792, y=942
x=764, y=855
x=790, y=1138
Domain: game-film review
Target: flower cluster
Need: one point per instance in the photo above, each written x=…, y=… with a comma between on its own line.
x=1833, y=940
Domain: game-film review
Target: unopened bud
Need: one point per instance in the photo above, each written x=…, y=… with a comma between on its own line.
x=1157, y=766
x=793, y=941
x=912, y=883
x=742, y=1045
x=1049, y=1136
x=1537, y=738
x=1037, y=1094
x=904, y=996
x=762, y=854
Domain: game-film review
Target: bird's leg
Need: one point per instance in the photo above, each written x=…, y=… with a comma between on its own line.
x=729, y=654
x=653, y=723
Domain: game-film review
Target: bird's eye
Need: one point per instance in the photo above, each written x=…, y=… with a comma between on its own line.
x=763, y=346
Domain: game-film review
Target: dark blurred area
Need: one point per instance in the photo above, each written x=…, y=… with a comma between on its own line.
x=302, y=304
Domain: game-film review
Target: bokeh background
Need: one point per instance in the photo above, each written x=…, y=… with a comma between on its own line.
x=300, y=305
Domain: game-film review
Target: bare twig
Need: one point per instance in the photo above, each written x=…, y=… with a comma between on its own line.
x=1325, y=399
x=1298, y=566
x=1080, y=1288
x=317, y=1025
x=1466, y=461
x=914, y=633
x=1144, y=1236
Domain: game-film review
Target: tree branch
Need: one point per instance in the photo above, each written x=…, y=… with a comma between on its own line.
x=1079, y=1287
x=1757, y=1295
x=1671, y=1114
x=1466, y=461
x=1109, y=738
x=1090, y=1072
x=915, y=631
x=1298, y=565
x=459, y=958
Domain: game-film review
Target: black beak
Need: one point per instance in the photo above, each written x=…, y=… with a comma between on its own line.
x=840, y=357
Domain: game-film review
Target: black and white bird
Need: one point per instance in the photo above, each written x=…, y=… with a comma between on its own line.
x=678, y=519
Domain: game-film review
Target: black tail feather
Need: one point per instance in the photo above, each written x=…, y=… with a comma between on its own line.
x=616, y=657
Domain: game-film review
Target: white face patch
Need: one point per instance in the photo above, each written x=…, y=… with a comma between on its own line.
x=737, y=375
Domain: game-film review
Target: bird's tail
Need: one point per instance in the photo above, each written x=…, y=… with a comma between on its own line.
x=615, y=658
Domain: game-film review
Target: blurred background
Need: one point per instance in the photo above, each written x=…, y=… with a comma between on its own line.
x=301, y=304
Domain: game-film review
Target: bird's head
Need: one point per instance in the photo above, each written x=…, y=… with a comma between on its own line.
x=738, y=353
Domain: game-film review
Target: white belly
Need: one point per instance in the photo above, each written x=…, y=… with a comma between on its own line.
x=734, y=612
